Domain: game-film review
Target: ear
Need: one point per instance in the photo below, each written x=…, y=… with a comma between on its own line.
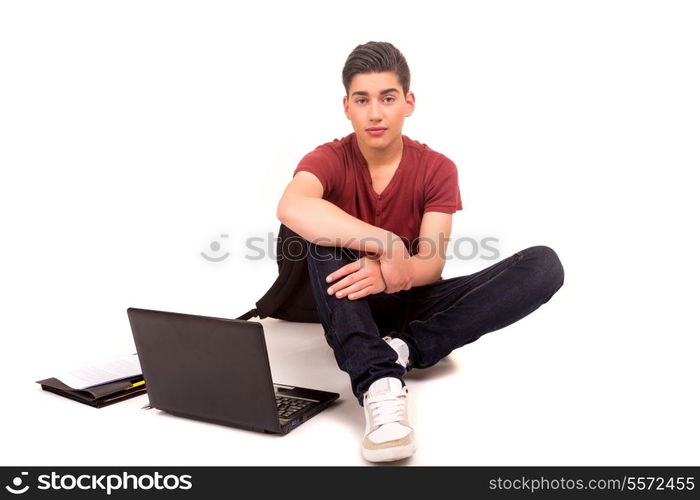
x=346, y=106
x=410, y=103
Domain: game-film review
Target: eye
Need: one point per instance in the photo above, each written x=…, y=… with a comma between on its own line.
x=389, y=99
x=360, y=101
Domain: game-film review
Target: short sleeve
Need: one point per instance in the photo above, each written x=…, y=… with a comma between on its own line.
x=325, y=165
x=442, y=188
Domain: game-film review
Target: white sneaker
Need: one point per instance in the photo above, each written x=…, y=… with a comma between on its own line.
x=401, y=349
x=388, y=435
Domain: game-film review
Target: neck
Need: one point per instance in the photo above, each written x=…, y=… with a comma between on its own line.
x=377, y=157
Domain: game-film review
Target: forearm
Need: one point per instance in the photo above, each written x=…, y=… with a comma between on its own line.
x=426, y=270
x=323, y=223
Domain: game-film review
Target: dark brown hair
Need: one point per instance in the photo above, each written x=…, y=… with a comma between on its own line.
x=376, y=57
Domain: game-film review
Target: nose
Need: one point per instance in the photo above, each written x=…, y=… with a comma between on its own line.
x=375, y=111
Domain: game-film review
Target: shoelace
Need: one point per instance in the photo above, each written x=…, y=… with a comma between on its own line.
x=386, y=408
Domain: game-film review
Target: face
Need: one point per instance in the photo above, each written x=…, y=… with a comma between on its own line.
x=377, y=107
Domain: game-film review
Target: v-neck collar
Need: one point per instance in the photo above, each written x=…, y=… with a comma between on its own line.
x=365, y=168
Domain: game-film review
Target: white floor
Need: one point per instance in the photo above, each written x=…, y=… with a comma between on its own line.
x=543, y=391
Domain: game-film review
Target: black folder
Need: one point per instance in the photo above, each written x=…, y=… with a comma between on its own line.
x=97, y=396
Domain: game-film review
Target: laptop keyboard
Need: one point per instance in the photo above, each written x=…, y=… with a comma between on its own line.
x=287, y=407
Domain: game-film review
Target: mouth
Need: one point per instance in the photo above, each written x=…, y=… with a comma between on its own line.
x=375, y=131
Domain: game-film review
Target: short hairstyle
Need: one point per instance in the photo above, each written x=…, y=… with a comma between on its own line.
x=376, y=57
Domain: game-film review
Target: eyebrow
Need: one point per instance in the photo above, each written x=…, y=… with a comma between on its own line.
x=365, y=93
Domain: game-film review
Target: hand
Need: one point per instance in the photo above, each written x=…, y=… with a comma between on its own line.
x=397, y=268
x=361, y=278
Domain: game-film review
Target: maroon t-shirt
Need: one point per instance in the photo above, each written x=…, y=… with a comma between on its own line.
x=425, y=181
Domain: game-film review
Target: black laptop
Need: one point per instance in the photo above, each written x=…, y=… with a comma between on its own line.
x=217, y=370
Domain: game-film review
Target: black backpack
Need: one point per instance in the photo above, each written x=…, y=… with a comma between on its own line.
x=290, y=297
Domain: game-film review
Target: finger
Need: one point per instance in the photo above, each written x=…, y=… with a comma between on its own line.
x=352, y=290
x=343, y=271
x=349, y=290
x=346, y=282
x=368, y=290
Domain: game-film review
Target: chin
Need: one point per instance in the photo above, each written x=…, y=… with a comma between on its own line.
x=377, y=142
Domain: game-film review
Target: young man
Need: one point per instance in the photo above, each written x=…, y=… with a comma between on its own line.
x=376, y=210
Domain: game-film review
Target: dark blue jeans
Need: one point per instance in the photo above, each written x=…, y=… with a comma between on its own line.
x=433, y=319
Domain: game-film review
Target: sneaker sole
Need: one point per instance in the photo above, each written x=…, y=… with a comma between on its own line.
x=389, y=454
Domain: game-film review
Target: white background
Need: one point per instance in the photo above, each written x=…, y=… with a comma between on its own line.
x=133, y=134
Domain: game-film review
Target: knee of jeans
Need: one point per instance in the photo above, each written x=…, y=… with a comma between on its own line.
x=549, y=267
x=329, y=257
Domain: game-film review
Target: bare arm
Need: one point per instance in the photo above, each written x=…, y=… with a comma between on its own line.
x=429, y=262
x=303, y=210
x=368, y=276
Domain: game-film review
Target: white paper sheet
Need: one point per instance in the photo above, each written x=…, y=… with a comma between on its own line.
x=103, y=372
